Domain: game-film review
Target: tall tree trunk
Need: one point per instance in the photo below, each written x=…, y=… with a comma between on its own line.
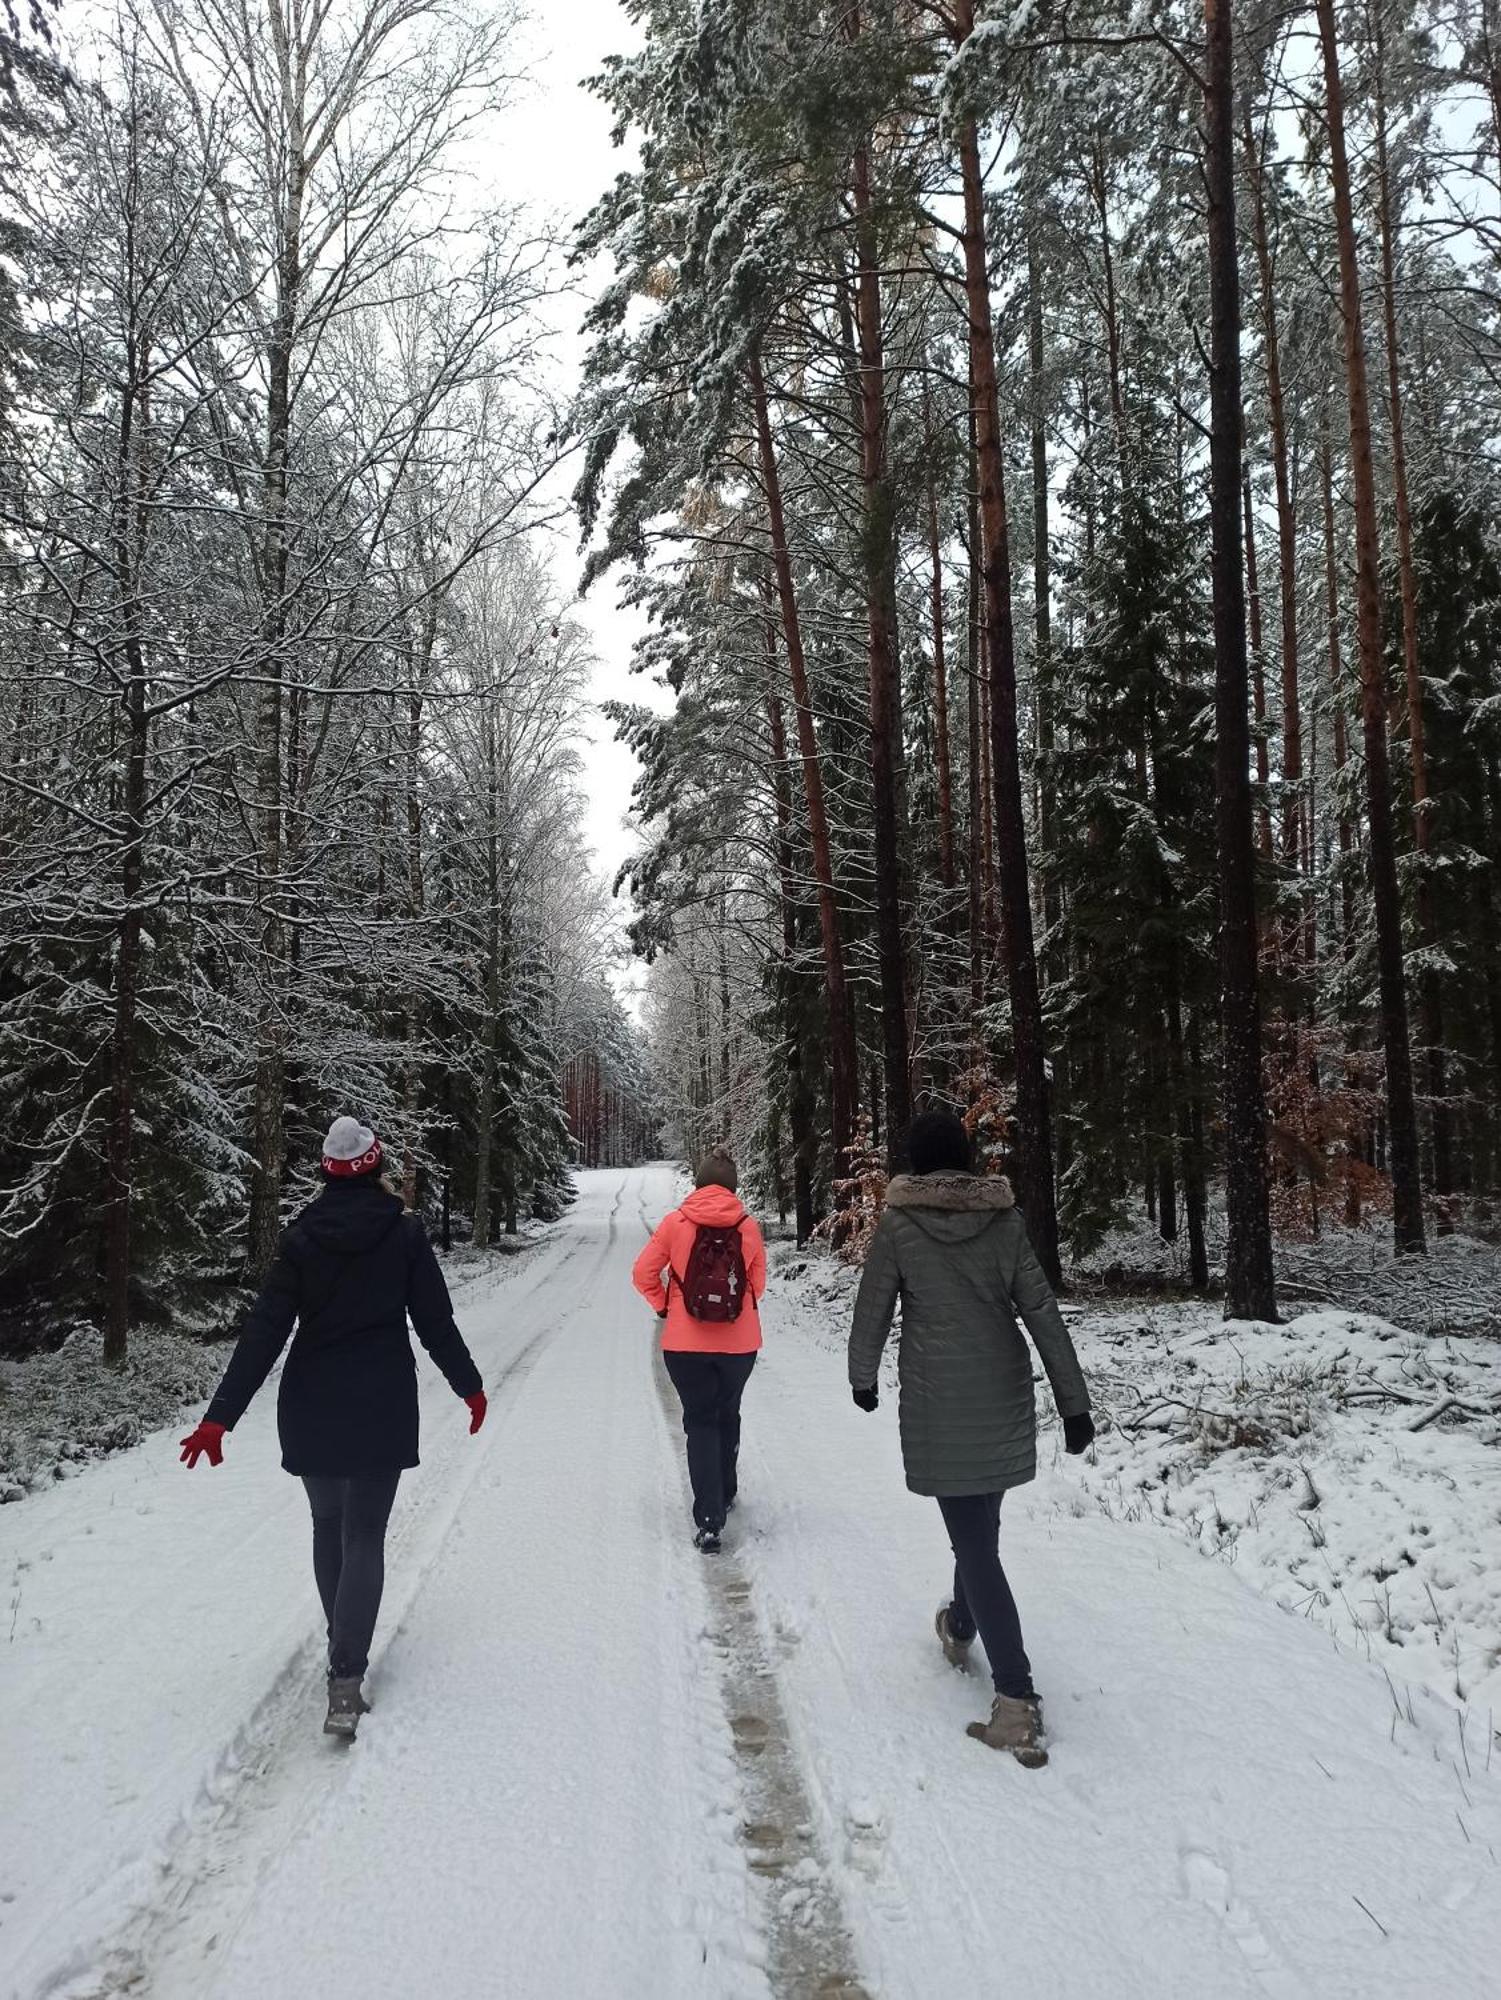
x=1110, y=306
x=1035, y=1167
x=1430, y=990
x=132, y=518
x=1339, y=731
x=1287, y=555
x=489, y=1049
x=416, y=899
x=1250, y=1292
x=1258, y=675
x=268, y=1116
x=843, y=1086
x=1042, y=580
x=1407, y=1197
x=799, y=1110
x=941, y=751
x=885, y=679
x=975, y=722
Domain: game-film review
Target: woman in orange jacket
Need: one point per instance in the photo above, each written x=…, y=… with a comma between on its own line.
x=703, y=1273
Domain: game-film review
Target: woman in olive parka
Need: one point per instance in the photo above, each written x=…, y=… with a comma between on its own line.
x=952, y=1249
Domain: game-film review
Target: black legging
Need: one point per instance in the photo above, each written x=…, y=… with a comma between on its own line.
x=982, y=1597
x=349, y=1561
x=709, y=1387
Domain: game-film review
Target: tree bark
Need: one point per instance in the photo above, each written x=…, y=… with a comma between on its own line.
x=1250, y=1292
x=268, y=1115
x=885, y=680
x=975, y=722
x=799, y=1111
x=843, y=1086
x=1339, y=730
x=1407, y=1198
x=1033, y=1112
x=941, y=751
x=1258, y=676
x=1430, y=990
x=1042, y=586
x=132, y=527
x=1287, y=565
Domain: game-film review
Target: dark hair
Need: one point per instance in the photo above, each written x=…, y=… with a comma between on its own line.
x=938, y=1143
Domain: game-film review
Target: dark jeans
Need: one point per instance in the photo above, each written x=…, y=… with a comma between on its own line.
x=982, y=1597
x=709, y=1387
x=349, y=1561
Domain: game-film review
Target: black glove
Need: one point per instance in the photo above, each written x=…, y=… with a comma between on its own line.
x=866, y=1399
x=1078, y=1434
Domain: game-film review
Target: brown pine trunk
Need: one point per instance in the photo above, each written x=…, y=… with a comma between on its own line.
x=1430, y=992
x=975, y=720
x=1258, y=676
x=799, y=1113
x=1110, y=306
x=885, y=680
x=1407, y=1197
x=1339, y=732
x=1042, y=585
x=843, y=1087
x=1033, y=1113
x=1250, y=1292
x=941, y=752
x=1287, y=573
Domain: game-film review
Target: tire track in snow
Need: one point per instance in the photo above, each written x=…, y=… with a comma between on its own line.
x=278, y=1771
x=810, y=1949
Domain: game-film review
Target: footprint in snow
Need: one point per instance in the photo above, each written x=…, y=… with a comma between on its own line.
x=865, y=1833
x=1209, y=1885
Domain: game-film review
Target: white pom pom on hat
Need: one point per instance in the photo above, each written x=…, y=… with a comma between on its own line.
x=350, y=1148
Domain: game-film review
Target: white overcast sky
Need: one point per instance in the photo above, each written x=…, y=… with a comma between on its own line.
x=553, y=153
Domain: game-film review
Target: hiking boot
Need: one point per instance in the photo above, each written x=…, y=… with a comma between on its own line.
x=707, y=1539
x=1014, y=1725
x=955, y=1649
x=346, y=1704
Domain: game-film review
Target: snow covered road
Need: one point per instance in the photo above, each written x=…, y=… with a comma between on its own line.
x=599, y=1765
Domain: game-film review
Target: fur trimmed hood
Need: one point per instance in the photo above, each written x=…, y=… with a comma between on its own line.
x=956, y=1194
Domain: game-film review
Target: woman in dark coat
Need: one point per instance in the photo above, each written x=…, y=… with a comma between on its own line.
x=952, y=1247
x=348, y=1272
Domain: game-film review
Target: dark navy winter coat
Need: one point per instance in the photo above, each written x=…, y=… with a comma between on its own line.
x=348, y=1272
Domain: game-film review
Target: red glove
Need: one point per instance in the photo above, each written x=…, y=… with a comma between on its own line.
x=207, y=1438
x=477, y=1409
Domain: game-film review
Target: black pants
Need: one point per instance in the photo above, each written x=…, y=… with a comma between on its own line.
x=982, y=1597
x=349, y=1561
x=709, y=1387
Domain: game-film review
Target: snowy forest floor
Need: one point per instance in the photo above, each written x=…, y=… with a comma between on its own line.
x=61, y=1407
x=598, y=1763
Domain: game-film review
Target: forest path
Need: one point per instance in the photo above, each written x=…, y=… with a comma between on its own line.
x=600, y=1764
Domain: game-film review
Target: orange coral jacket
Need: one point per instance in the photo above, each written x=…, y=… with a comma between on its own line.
x=665, y=1259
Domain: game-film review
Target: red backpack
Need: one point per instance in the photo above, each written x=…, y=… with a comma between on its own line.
x=714, y=1284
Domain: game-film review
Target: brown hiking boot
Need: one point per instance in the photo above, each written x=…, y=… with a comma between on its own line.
x=346, y=1704
x=955, y=1651
x=1016, y=1726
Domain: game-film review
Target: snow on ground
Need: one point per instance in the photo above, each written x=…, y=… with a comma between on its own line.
x=1350, y=1471
x=60, y=1410
x=600, y=1764
x=63, y=1409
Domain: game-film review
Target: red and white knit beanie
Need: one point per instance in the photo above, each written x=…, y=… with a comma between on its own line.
x=350, y=1148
